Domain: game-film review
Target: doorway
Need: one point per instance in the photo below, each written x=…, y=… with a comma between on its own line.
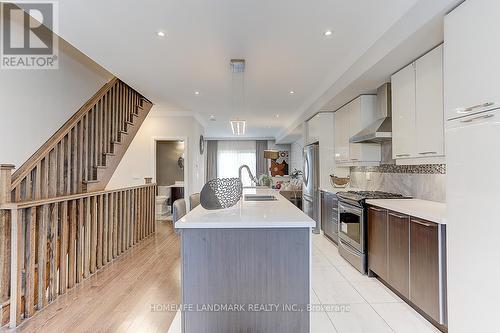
x=170, y=174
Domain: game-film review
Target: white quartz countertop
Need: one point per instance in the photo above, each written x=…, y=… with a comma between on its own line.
x=280, y=213
x=424, y=209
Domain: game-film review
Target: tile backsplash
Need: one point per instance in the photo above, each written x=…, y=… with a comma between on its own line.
x=427, y=182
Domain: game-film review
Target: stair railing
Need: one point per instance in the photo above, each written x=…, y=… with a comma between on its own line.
x=72, y=157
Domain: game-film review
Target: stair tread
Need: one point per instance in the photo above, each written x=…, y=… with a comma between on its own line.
x=100, y=166
x=91, y=181
x=122, y=132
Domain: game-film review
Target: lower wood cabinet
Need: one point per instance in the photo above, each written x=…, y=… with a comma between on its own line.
x=398, y=232
x=377, y=241
x=424, y=266
x=408, y=254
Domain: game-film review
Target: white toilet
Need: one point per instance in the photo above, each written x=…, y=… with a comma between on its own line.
x=162, y=207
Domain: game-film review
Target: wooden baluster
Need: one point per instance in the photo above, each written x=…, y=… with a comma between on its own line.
x=102, y=130
x=38, y=181
x=153, y=213
x=80, y=241
x=115, y=224
x=53, y=246
x=86, y=145
x=63, y=249
x=112, y=117
x=124, y=107
x=43, y=230
x=149, y=208
x=133, y=222
x=137, y=215
x=100, y=232
x=91, y=144
x=17, y=265
x=52, y=190
x=29, y=293
x=96, y=136
x=143, y=204
x=74, y=160
x=45, y=177
x=60, y=168
x=93, y=239
x=26, y=196
x=80, y=159
x=146, y=212
x=5, y=231
x=110, y=226
x=67, y=164
x=105, y=125
x=129, y=219
x=72, y=244
x=120, y=221
x=88, y=222
x=125, y=221
x=119, y=111
x=105, y=229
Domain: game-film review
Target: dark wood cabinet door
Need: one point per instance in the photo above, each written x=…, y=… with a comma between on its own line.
x=398, y=238
x=377, y=241
x=424, y=266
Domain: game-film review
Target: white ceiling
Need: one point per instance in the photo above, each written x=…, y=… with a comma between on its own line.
x=281, y=40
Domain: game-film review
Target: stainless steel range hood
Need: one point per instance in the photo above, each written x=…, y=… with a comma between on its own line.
x=380, y=130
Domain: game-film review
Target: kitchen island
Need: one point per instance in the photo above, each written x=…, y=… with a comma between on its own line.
x=246, y=268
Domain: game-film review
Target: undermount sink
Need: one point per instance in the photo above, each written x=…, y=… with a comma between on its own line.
x=257, y=197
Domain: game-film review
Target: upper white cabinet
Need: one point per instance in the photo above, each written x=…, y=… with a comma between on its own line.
x=349, y=120
x=320, y=129
x=313, y=129
x=417, y=110
x=471, y=58
x=403, y=112
x=429, y=104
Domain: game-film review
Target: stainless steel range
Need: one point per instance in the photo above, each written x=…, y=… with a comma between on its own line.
x=352, y=217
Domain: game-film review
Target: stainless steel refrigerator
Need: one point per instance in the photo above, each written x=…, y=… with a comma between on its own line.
x=310, y=186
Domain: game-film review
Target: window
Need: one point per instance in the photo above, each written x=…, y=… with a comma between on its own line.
x=233, y=154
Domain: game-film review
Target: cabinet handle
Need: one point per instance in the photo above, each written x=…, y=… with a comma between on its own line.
x=399, y=216
x=471, y=108
x=377, y=209
x=428, y=153
x=423, y=223
x=486, y=116
x=402, y=155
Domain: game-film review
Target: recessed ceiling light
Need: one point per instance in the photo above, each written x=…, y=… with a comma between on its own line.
x=160, y=34
x=291, y=92
x=328, y=33
x=212, y=117
x=196, y=92
x=238, y=127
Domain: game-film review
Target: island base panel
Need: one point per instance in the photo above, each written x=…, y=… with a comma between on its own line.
x=246, y=267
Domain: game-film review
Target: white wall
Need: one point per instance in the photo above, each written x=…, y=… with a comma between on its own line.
x=36, y=103
x=139, y=160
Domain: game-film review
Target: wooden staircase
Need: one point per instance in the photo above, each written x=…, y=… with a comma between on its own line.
x=57, y=224
x=83, y=154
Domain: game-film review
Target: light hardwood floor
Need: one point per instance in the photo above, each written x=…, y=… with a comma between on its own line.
x=118, y=298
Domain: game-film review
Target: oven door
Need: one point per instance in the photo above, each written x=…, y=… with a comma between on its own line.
x=351, y=224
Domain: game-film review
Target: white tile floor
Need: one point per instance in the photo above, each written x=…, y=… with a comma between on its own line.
x=373, y=307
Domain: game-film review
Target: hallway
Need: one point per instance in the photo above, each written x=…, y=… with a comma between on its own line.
x=118, y=298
